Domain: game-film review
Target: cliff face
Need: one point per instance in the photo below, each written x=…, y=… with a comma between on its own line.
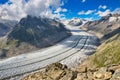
x=32, y=33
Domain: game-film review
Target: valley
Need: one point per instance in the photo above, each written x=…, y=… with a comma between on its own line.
x=104, y=64
x=52, y=45
x=72, y=51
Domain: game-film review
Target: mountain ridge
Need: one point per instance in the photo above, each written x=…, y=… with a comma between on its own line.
x=77, y=22
x=103, y=26
x=32, y=33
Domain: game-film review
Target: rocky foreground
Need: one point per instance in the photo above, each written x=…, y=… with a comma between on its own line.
x=58, y=71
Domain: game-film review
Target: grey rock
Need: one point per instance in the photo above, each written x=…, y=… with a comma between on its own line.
x=116, y=75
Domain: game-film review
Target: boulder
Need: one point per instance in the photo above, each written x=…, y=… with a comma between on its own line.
x=116, y=75
x=55, y=71
x=102, y=74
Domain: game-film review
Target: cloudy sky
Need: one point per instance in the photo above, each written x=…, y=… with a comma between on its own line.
x=89, y=9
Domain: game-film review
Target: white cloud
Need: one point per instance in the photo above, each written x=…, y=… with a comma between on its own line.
x=20, y=8
x=89, y=12
x=103, y=13
x=86, y=13
x=81, y=12
x=102, y=7
x=58, y=10
x=12, y=11
x=83, y=1
x=89, y=19
x=64, y=10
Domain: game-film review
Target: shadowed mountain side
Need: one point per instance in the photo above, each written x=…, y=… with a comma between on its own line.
x=32, y=33
x=40, y=32
x=107, y=36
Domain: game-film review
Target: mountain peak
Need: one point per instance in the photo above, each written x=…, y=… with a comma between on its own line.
x=34, y=30
x=77, y=22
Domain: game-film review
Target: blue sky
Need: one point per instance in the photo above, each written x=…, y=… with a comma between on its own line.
x=92, y=9
x=75, y=6
x=3, y=1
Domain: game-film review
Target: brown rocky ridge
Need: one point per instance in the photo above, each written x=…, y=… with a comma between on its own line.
x=57, y=71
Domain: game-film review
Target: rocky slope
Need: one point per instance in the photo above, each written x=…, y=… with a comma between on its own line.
x=32, y=33
x=58, y=71
x=107, y=53
x=103, y=26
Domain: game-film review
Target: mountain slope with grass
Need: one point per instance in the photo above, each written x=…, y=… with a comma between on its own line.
x=108, y=52
x=32, y=33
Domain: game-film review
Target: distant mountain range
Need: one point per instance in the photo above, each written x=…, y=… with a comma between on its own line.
x=77, y=22
x=103, y=26
x=32, y=33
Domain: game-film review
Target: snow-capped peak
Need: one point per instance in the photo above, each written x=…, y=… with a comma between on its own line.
x=77, y=21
